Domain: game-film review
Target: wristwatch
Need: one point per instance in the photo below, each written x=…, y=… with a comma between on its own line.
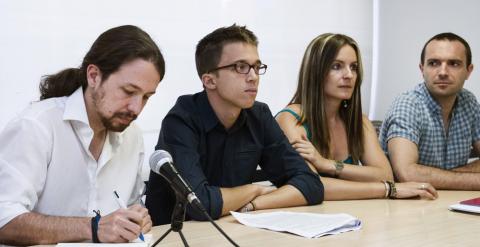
x=338, y=168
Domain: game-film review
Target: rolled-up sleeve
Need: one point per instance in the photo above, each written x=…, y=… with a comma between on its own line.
x=403, y=120
x=284, y=165
x=24, y=157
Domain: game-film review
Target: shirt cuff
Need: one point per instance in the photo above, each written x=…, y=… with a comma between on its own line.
x=310, y=186
x=216, y=203
x=407, y=136
x=212, y=200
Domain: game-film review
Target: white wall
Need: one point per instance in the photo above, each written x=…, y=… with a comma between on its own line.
x=43, y=37
x=403, y=28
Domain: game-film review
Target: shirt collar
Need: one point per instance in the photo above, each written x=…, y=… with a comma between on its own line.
x=241, y=120
x=207, y=115
x=75, y=110
x=431, y=103
x=75, y=107
x=210, y=119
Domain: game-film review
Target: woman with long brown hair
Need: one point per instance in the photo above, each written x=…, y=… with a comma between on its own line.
x=325, y=124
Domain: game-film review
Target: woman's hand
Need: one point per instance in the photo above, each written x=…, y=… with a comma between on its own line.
x=310, y=154
x=413, y=189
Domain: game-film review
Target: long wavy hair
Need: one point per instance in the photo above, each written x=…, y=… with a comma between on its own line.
x=310, y=94
x=111, y=49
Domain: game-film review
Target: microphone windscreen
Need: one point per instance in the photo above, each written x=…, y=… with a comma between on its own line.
x=158, y=158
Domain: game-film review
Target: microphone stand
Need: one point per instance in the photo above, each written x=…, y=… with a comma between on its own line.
x=218, y=228
x=178, y=216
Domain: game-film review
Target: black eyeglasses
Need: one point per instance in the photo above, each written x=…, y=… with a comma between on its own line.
x=244, y=68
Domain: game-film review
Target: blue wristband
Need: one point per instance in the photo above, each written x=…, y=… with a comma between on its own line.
x=94, y=222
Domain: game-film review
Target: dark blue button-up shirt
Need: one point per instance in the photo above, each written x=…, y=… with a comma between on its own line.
x=209, y=157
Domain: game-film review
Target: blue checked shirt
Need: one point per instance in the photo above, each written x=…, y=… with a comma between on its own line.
x=416, y=116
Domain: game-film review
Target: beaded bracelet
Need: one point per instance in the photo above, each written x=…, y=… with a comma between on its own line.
x=393, y=190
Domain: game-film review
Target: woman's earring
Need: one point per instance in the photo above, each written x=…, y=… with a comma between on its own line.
x=345, y=104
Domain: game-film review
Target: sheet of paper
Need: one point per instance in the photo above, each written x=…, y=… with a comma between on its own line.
x=135, y=243
x=308, y=225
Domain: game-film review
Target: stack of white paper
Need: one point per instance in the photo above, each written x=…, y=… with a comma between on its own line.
x=308, y=225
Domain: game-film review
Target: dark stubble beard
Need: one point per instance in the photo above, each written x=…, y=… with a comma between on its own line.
x=108, y=122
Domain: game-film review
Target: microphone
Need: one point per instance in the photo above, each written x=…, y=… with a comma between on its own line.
x=161, y=162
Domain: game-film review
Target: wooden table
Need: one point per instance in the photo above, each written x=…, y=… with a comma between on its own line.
x=385, y=223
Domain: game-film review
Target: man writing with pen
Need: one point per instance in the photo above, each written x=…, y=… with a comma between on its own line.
x=122, y=205
x=62, y=157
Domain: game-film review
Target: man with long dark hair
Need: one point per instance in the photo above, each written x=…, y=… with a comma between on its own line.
x=63, y=157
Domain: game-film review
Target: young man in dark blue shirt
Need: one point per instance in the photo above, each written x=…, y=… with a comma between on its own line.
x=218, y=137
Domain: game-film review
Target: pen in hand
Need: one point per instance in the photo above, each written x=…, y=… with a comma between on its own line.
x=122, y=205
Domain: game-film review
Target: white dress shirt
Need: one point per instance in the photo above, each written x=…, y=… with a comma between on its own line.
x=46, y=166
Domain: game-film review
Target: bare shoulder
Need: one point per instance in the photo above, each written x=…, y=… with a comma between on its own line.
x=287, y=116
x=367, y=124
x=297, y=108
x=289, y=123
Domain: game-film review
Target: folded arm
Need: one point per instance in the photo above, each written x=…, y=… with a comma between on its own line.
x=285, y=196
x=404, y=158
x=473, y=166
x=375, y=165
x=237, y=197
x=337, y=189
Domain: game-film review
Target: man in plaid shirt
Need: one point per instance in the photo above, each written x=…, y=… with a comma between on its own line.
x=429, y=132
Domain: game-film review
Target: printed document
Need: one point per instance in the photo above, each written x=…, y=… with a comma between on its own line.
x=309, y=225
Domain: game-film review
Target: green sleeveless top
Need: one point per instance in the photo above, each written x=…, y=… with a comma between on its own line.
x=348, y=160
x=305, y=126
